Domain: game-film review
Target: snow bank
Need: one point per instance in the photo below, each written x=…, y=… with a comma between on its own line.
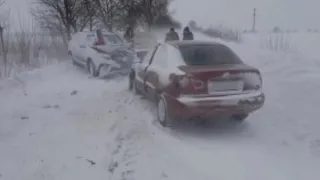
x=63, y=127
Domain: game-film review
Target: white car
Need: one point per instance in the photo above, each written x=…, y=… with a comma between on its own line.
x=100, y=50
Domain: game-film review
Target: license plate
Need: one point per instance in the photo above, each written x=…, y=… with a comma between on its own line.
x=224, y=86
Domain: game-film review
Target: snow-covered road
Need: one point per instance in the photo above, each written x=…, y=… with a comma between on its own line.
x=58, y=124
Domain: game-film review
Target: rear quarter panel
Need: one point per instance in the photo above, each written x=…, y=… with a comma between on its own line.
x=160, y=79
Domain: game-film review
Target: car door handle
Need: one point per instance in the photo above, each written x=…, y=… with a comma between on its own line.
x=82, y=46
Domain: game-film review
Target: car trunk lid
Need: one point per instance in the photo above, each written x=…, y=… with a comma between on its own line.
x=221, y=79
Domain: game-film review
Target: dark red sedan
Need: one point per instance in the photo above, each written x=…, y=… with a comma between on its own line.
x=197, y=79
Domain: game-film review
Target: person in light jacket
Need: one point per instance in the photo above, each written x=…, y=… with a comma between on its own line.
x=172, y=35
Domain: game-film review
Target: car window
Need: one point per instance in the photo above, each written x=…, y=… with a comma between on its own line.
x=215, y=54
x=160, y=57
x=113, y=39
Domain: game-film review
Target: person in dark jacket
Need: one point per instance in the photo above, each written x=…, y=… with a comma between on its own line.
x=187, y=34
x=172, y=35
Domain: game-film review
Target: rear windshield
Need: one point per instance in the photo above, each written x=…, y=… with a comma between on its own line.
x=215, y=54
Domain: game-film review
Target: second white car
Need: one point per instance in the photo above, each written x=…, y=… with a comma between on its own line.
x=99, y=51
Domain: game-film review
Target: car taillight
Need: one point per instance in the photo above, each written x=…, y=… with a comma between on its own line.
x=183, y=81
x=188, y=82
x=197, y=84
x=252, y=80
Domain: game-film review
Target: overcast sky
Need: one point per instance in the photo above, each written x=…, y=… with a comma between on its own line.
x=291, y=14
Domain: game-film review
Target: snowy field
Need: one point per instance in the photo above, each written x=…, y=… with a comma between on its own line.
x=301, y=43
x=56, y=123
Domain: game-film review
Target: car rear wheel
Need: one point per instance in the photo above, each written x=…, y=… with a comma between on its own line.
x=240, y=117
x=92, y=69
x=163, y=116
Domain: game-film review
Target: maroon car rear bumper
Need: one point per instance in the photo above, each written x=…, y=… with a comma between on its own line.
x=185, y=107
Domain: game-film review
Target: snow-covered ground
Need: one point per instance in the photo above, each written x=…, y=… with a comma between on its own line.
x=303, y=43
x=57, y=123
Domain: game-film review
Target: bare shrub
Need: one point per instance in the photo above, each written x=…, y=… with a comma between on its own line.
x=4, y=24
x=278, y=42
x=26, y=49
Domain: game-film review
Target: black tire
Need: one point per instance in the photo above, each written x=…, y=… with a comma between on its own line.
x=163, y=117
x=133, y=84
x=239, y=117
x=92, y=69
x=131, y=76
x=134, y=87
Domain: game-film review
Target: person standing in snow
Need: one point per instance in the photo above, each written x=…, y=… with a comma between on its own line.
x=187, y=34
x=172, y=35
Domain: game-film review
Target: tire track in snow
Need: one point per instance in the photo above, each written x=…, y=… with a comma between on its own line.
x=128, y=128
x=112, y=109
x=123, y=159
x=122, y=112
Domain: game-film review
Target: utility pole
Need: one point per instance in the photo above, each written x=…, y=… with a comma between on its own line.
x=254, y=20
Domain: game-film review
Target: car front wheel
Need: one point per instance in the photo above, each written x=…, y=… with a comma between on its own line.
x=92, y=69
x=134, y=87
x=131, y=76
